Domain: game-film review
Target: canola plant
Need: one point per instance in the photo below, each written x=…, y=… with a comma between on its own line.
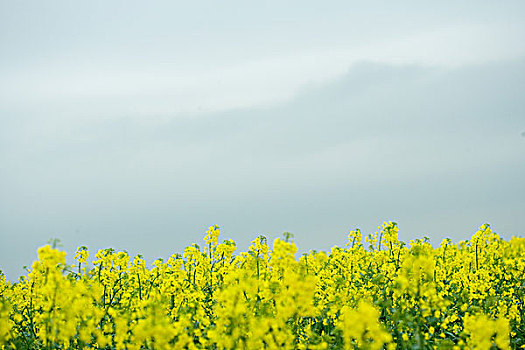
x=376, y=294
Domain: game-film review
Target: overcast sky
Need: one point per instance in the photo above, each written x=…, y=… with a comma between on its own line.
x=136, y=125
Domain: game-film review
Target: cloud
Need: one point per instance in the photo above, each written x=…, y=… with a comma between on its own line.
x=437, y=149
x=157, y=74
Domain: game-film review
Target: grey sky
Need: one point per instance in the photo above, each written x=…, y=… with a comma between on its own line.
x=137, y=126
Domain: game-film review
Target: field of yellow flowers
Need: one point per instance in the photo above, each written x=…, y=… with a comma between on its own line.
x=376, y=294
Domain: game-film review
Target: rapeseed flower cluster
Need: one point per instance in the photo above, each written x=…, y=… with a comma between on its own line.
x=380, y=293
